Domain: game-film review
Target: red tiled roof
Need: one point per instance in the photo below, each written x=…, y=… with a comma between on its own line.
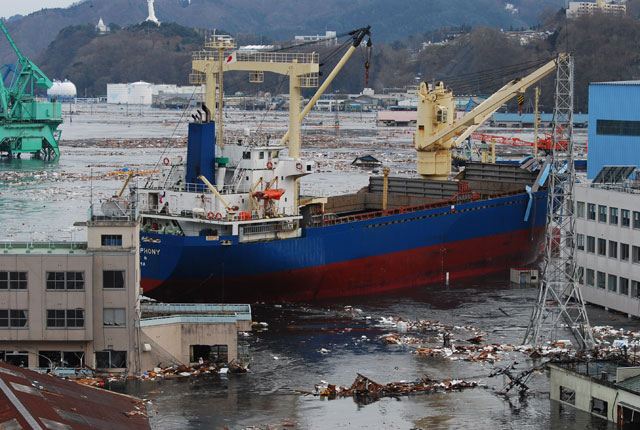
x=38, y=401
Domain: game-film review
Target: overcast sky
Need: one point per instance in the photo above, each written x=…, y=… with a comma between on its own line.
x=25, y=7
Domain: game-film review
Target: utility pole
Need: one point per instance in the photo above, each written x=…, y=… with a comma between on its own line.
x=559, y=296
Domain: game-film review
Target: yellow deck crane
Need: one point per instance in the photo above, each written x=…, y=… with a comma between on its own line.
x=436, y=128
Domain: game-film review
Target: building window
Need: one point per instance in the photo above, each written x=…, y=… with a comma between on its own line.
x=612, y=283
x=624, y=251
x=636, y=220
x=626, y=217
x=602, y=213
x=65, y=280
x=210, y=353
x=567, y=395
x=580, y=209
x=13, y=280
x=16, y=358
x=580, y=239
x=602, y=247
x=613, y=249
x=599, y=407
x=113, y=279
x=602, y=280
x=111, y=359
x=591, y=244
x=614, y=127
x=613, y=216
x=591, y=211
x=14, y=318
x=624, y=286
x=635, y=291
x=590, y=277
x=581, y=275
x=261, y=155
x=635, y=254
x=51, y=359
x=65, y=318
x=114, y=317
x=111, y=240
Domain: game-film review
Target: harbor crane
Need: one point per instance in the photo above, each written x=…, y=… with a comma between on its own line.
x=437, y=129
x=27, y=125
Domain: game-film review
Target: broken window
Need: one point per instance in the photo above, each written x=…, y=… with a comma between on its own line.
x=210, y=353
x=110, y=359
x=599, y=406
x=567, y=395
x=17, y=358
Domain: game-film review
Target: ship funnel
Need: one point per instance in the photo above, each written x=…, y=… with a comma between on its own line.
x=201, y=153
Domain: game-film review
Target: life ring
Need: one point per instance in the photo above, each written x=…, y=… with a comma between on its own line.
x=218, y=216
x=210, y=215
x=269, y=165
x=299, y=166
x=165, y=161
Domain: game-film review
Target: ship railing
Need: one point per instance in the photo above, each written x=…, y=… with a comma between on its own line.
x=458, y=198
x=260, y=228
x=262, y=57
x=200, y=189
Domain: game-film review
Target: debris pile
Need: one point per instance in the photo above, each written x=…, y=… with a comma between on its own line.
x=182, y=371
x=366, y=387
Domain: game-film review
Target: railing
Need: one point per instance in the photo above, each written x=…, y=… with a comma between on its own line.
x=10, y=245
x=631, y=188
x=263, y=57
x=260, y=228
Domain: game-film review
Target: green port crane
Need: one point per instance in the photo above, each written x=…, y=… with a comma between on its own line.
x=28, y=125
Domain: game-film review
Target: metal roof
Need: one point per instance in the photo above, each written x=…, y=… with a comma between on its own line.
x=631, y=384
x=616, y=83
x=32, y=400
x=613, y=174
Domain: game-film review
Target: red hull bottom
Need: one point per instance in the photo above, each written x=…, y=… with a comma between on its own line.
x=415, y=267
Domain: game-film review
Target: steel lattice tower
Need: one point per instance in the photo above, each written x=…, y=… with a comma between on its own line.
x=559, y=297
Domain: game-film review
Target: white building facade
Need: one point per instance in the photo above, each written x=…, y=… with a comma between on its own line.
x=608, y=245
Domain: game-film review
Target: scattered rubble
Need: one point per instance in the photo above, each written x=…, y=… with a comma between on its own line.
x=366, y=387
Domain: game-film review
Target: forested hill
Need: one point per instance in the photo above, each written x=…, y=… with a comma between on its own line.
x=280, y=19
x=605, y=48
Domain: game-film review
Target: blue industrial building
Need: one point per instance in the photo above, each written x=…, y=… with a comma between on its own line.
x=614, y=125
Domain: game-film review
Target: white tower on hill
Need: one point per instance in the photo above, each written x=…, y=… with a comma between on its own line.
x=152, y=13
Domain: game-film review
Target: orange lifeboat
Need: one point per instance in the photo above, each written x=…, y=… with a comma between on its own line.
x=274, y=194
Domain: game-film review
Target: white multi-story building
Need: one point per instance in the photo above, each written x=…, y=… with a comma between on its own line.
x=577, y=9
x=608, y=245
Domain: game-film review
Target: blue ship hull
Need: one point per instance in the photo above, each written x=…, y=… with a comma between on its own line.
x=367, y=255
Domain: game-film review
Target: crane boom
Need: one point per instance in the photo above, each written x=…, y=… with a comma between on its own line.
x=437, y=127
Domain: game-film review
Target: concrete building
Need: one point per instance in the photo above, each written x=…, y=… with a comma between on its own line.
x=577, y=9
x=614, y=119
x=608, y=244
x=603, y=389
x=74, y=305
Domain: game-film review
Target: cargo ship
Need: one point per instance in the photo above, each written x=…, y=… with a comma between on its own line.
x=227, y=223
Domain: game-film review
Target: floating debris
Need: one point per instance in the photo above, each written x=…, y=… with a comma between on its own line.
x=366, y=387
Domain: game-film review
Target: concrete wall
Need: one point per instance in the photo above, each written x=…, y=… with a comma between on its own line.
x=585, y=389
x=170, y=343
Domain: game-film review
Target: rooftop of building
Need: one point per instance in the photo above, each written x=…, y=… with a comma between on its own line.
x=45, y=247
x=630, y=83
x=34, y=400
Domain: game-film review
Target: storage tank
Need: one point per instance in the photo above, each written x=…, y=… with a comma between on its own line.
x=118, y=93
x=65, y=90
x=140, y=93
